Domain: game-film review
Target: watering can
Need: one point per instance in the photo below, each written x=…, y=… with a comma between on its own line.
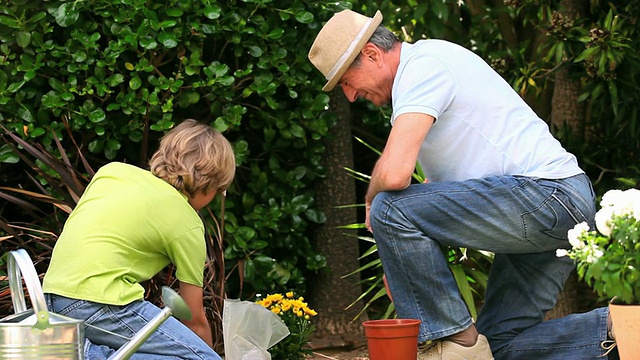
x=39, y=334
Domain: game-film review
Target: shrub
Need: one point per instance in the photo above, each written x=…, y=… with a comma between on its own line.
x=108, y=77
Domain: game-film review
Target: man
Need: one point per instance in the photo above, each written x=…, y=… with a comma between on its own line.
x=498, y=181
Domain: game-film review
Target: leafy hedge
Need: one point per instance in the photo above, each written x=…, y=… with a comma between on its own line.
x=118, y=73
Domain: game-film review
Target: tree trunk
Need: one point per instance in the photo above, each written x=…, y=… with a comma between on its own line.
x=567, y=112
x=331, y=294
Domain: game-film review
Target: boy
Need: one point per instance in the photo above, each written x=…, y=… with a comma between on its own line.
x=128, y=225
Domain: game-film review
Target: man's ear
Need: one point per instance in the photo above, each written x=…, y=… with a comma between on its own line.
x=370, y=52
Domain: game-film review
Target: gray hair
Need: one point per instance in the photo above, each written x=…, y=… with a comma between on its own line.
x=382, y=38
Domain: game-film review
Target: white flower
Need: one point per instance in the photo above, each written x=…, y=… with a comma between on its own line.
x=633, y=196
x=603, y=220
x=624, y=202
x=617, y=202
x=599, y=254
x=574, y=235
x=593, y=253
x=612, y=197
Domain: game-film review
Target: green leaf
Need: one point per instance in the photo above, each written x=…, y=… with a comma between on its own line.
x=255, y=51
x=169, y=40
x=113, y=144
x=297, y=130
x=115, y=79
x=276, y=33
x=175, y=12
x=212, y=11
x=148, y=42
x=249, y=270
x=135, y=82
x=315, y=216
x=3, y=80
x=97, y=116
x=25, y=114
x=66, y=14
x=168, y=24
x=96, y=145
x=9, y=21
x=80, y=56
x=304, y=17
x=464, y=287
x=38, y=131
x=188, y=98
x=301, y=203
x=23, y=38
x=7, y=155
x=51, y=100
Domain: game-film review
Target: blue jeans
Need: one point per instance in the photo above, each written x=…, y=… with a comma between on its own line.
x=523, y=221
x=172, y=340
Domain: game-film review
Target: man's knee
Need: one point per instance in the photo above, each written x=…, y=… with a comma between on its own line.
x=379, y=209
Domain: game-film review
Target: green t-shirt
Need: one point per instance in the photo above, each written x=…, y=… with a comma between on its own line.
x=127, y=226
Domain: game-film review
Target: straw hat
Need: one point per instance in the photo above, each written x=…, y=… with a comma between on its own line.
x=339, y=43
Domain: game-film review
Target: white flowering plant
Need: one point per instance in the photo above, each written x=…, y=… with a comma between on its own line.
x=608, y=258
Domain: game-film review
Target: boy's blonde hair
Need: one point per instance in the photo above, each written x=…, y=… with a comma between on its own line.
x=194, y=158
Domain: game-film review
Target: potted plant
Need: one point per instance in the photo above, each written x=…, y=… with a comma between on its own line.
x=608, y=259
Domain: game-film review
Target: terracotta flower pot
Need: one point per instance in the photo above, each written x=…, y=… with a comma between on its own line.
x=395, y=339
x=626, y=326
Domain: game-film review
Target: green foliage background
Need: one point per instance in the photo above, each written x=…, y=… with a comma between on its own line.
x=117, y=74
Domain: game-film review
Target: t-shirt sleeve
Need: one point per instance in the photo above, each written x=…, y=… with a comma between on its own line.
x=188, y=254
x=424, y=85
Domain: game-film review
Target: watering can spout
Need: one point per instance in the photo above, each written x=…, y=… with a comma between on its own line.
x=174, y=305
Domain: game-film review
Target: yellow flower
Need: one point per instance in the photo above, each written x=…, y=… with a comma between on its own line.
x=310, y=312
x=275, y=297
x=286, y=305
x=280, y=304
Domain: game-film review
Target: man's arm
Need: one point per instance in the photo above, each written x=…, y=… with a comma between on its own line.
x=199, y=324
x=397, y=163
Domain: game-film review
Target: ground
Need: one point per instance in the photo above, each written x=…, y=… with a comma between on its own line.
x=359, y=353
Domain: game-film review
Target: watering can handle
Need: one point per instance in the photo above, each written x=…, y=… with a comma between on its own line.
x=25, y=267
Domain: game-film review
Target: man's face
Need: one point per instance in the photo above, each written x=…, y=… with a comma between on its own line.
x=367, y=79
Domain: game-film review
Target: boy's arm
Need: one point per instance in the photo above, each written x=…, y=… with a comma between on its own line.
x=199, y=324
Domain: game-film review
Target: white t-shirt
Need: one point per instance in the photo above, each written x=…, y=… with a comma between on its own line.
x=483, y=127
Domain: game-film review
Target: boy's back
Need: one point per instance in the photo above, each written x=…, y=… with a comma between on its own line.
x=127, y=226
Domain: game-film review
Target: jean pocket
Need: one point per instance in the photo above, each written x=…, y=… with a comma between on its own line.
x=552, y=220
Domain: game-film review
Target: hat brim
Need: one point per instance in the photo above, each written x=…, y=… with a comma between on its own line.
x=375, y=22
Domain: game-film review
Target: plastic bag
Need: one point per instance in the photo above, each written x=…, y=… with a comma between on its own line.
x=249, y=330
